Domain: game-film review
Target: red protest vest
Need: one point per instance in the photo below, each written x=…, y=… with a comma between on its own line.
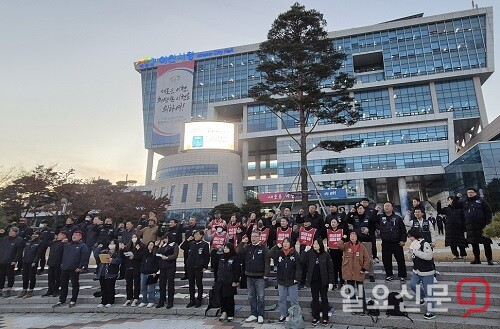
x=219, y=239
x=306, y=237
x=281, y=235
x=214, y=224
x=231, y=230
x=264, y=234
x=334, y=237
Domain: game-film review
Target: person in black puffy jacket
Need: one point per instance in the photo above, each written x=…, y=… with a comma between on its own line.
x=455, y=228
x=227, y=281
x=149, y=267
x=288, y=273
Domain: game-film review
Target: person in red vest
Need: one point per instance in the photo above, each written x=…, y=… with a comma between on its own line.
x=334, y=233
x=279, y=233
x=218, y=239
x=306, y=239
x=217, y=222
x=232, y=226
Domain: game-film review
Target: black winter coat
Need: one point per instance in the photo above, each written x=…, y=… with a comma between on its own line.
x=149, y=264
x=289, y=267
x=32, y=251
x=170, y=250
x=477, y=215
x=229, y=273
x=309, y=258
x=11, y=249
x=56, y=253
x=455, y=226
x=75, y=255
x=138, y=253
x=111, y=269
x=198, y=254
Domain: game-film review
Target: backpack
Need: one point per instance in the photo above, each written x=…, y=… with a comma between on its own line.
x=214, y=298
x=373, y=312
x=295, y=318
x=395, y=302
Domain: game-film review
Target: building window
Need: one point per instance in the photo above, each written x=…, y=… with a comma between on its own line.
x=184, y=193
x=413, y=100
x=199, y=192
x=260, y=118
x=188, y=170
x=215, y=188
x=229, y=192
x=373, y=104
x=172, y=192
x=459, y=97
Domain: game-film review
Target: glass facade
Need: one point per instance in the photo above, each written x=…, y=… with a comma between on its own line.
x=199, y=192
x=184, y=193
x=188, y=170
x=424, y=49
x=353, y=187
x=374, y=104
x=458, y=96
x=413, y=100
x=230, y=192
x=379, y=138
x=368, y=163
x=215, y=191
x=478, y=167
x=260, y=118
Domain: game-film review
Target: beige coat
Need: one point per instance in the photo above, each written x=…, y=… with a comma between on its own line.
x=353, y=263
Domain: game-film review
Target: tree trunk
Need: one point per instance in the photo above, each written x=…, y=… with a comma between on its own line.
x=303, y=154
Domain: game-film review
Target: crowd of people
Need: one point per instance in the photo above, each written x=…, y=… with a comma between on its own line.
x=306, y=250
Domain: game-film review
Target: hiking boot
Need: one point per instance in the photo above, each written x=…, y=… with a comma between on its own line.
x=22, y=294
x=29, y=294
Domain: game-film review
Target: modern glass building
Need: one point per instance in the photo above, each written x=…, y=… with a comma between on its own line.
x=419, y=86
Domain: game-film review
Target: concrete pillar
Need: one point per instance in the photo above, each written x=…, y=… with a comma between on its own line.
x=244, y=159
x=403, y=195
x=480, y=101
x=149, y=167
x=395, y=195
x=435, y=106
x=391, y=102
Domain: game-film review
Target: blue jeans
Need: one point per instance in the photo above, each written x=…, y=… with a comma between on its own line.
x=426, y=283
x=255, y=287
x=291, y=292
x=147, y=290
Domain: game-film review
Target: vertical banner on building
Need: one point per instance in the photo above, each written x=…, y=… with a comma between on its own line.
x=174, y=91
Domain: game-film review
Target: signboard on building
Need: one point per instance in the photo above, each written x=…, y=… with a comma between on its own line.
x=209, y=135
x=330, y=194
x=174, y=90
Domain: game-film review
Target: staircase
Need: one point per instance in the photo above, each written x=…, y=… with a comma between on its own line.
x=451, y=274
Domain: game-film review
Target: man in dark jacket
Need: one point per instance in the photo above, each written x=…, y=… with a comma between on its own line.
x=315, y=218
x=128, y=232
x=73, y=261
x=393, y=235
x=106, y=233
x=46, y=236
x=478, y=214
x=11, y=251
x=198, y=258
x=455, y=228
x=54, y=262
x=371, y=214
x=70, y=227
x=25, y=232
x=257, y=267
x=176, y=230
x=188, y=230
x=31, y=257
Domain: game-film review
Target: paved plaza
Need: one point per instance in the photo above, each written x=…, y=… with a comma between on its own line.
x=123, y=321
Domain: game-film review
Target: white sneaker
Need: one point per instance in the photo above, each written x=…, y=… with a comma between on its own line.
x=150, y=305
x=127, y=303
x=135, y=302
x=109, y=305
x=141, y=305
x=260, y=320
x=251, y=318
x=100, y=305
x=223, y=316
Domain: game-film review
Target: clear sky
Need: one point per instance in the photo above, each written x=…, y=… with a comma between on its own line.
x=69, y=94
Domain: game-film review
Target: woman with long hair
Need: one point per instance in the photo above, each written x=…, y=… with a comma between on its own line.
x=107, y=272
x=149, y=267
x=320, y=278
x=227, y=281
